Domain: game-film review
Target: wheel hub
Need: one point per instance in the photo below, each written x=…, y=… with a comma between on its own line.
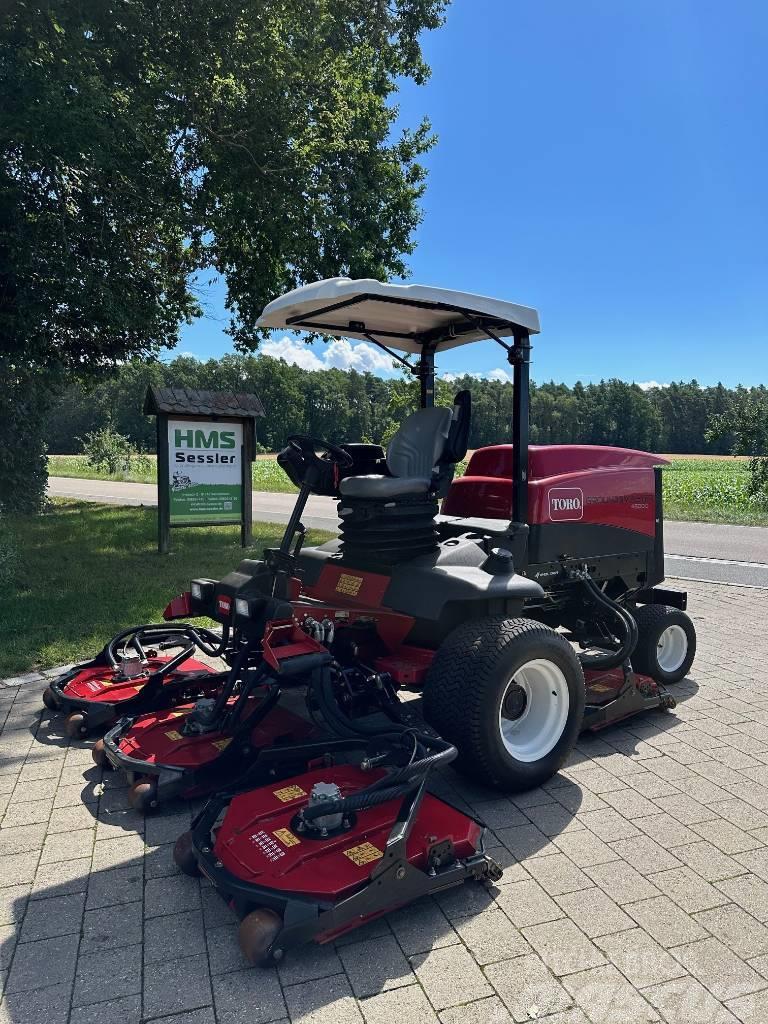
x=671, y=648
x=515, y=702
x=534, y=710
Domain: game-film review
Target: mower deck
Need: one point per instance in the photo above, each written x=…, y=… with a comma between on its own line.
x=153, y=746
x=291, y=885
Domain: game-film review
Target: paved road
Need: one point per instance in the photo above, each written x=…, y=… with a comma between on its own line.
x=635, y=884
x=698, y=551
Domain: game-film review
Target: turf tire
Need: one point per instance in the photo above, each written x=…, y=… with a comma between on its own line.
x=652, y=620
x=466, y=684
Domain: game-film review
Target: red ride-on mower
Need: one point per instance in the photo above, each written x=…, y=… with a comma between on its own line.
x=537, y=550
x=341, y=845
x=131, y=674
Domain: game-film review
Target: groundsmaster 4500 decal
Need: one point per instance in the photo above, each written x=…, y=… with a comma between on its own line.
x=205, y=471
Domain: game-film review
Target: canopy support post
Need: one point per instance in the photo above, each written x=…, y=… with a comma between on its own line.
x=426, y=371
x=519, y=355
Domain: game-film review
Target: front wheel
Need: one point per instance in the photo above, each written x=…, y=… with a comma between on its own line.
x=509, y=694
x=666, y=643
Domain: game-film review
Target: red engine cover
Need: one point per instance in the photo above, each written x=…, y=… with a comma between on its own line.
x=257, y=842
x=104, y=684
x=156, y=737
x=567, y=483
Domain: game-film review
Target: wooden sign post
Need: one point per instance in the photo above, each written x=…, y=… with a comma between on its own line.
x=206, y=442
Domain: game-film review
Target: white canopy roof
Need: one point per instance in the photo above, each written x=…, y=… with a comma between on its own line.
x=401, y=316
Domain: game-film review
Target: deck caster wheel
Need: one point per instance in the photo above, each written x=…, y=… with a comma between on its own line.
x=48, y=699
x=184, y=855
x=75, y=725
x=99, y=755
x=142, y=796
x=258, y=930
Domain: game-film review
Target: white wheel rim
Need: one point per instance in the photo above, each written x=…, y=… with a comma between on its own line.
x=535, y=732
x=671, y=649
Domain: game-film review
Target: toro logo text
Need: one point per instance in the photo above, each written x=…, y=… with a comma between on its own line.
x=565, y=504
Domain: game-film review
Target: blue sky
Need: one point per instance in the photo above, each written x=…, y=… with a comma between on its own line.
x=606, y=162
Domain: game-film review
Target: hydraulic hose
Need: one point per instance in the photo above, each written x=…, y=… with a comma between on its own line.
x=323, y=690
x=357, y=802
x=170, y=636
x=629, y=631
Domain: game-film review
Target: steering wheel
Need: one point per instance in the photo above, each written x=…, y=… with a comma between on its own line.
x=309, y=446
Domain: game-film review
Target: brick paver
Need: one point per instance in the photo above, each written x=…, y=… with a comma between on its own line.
x=635, y=885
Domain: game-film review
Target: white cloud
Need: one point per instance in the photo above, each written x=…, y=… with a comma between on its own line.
x=292, y=351
x=363, y=357
x=646, y=385
x=497, y=374
x=341, y=355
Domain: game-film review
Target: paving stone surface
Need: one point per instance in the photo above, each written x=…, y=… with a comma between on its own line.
x=635, y=886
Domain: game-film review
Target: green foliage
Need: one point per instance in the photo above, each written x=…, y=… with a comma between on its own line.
x=110, y=452
x=350, y=406
x=746, y=422
x=145, y=142
x=24, y=401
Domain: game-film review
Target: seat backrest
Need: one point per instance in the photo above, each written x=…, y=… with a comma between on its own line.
x=458, y=436
x=417, y=446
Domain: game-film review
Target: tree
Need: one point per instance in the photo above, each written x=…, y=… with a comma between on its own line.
x=746, y=422
x=142, y=141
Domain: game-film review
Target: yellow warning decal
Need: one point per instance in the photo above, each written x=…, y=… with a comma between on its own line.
x=286, y=837
x=349, y=585
x=288, y=793
x=173, y=735
x=222, y=744
x=363, y=854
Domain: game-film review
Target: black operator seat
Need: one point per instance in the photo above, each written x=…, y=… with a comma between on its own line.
x=421, y=457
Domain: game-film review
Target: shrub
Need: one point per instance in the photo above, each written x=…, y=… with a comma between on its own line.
x=110, y=452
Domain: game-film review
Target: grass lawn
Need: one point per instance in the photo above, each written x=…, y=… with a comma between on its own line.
x=90, y=570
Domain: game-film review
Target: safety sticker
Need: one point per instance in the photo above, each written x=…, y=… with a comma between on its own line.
x=288, y=793
x=173, y=735
x=221, y=744
x=271, y=849
x=349, y=585
x=363, y=854
x=287, y=837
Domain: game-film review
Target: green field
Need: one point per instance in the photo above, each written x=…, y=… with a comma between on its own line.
x=706, y=490
x=89, y=570
x=711, y=491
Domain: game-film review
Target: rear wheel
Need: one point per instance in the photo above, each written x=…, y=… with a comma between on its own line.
x=666, y=644
x=49, y=700
x=509, y=693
